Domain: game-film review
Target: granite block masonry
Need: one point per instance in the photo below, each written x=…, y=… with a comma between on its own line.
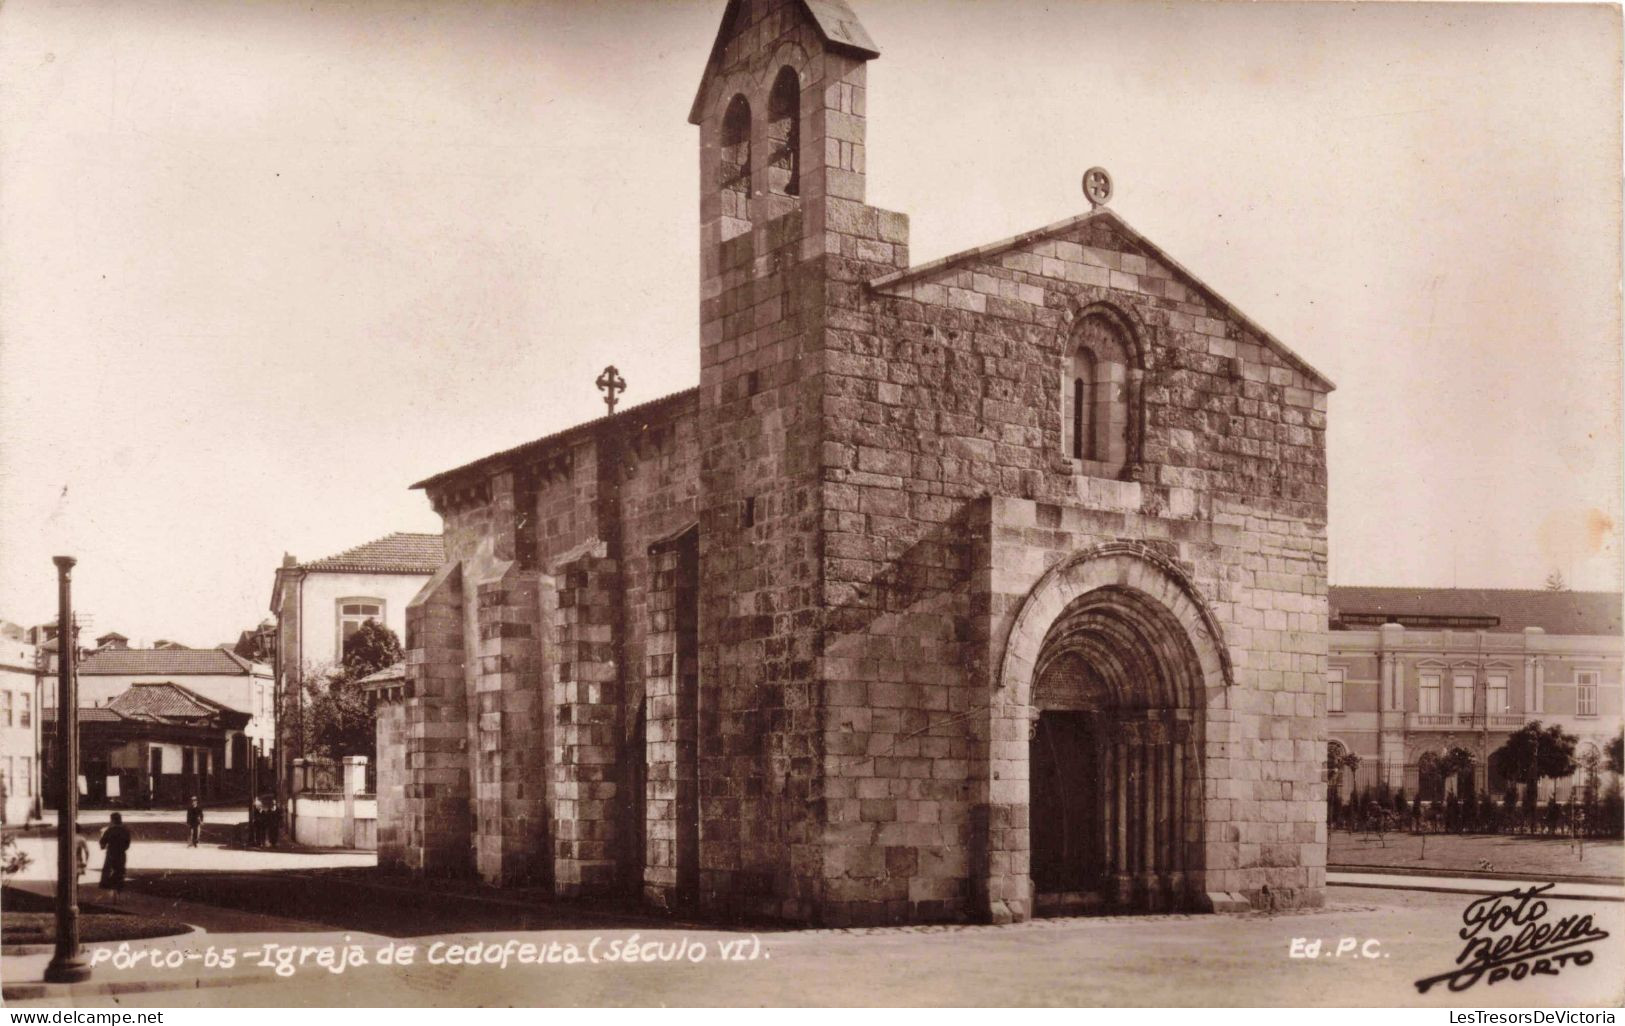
x=974, y=590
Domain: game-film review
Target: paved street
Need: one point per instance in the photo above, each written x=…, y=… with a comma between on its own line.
x=1155, y=960
x=243, y=901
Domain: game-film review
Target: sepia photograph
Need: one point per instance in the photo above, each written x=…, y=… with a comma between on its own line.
x=810, y=503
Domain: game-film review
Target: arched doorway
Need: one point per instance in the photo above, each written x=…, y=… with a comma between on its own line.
x=1114, y=757
x=1110, y=667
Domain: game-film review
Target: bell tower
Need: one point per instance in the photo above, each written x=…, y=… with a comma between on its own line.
x=781, y=117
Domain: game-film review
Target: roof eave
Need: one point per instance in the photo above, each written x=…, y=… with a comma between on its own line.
x=993, y=249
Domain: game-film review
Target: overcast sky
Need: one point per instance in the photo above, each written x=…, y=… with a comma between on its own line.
x=263, y=265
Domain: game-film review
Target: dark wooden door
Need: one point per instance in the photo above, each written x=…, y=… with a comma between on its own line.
x=1064, y=820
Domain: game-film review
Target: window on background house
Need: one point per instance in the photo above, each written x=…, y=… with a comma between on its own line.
x=1463, y=700
x=25, y=782
x=353, y=612
x=1334, y=690
x=25, y=710
x=5, y=708
x=1586, y=700
x=1429, y=693
x=1495, y=695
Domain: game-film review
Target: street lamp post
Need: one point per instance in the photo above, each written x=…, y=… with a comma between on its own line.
x=67, y=964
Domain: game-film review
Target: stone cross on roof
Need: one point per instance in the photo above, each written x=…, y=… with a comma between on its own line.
x=611, y=384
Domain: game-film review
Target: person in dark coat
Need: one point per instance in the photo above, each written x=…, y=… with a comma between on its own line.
x=256, y=823
x=194, y=822
x=273, y=823
x=116, y=842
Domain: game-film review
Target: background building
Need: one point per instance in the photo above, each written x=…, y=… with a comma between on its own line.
x=20, y=686
x=1414, y=671
x=157, y=743
x=318, y=604
x=214, y=674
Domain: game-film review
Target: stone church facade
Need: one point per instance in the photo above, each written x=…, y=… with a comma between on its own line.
x=971, y=590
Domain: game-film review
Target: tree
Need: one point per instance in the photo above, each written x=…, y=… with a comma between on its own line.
x=341, y=721
x=371, y=648
x=1615, y=752
x=1455, y=761
x=1534, y=752
x=1555, y=582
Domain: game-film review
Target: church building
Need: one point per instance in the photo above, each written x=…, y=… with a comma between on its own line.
x=968, y=591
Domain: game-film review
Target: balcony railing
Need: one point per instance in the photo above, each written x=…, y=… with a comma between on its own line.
x=1464, y=721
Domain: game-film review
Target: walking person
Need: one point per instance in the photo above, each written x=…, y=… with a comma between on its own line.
x=116, y=842
x=256, y=823
x=194, y=822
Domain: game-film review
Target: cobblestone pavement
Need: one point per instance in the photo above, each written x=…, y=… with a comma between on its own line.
x=1542, y=857
x=1387, y=940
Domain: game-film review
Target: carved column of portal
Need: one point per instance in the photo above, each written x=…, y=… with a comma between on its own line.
x=1176, y=812
x=1106, y=801
x=1149, y=884
x=1124, y=861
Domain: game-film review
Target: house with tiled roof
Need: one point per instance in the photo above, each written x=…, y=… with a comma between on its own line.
x=320, y=603
x=217, y=675
x=1415, y=672
x=159, y=742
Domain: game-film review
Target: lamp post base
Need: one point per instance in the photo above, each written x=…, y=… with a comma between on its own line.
x=73, y=969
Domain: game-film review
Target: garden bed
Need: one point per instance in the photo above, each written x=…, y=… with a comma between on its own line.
x=30, y=918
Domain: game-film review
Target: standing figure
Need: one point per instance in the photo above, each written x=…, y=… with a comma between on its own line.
x=194, y=822
x=273, y=823
x=116, y=842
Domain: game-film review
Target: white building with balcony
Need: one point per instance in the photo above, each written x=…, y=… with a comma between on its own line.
x=1413, y=672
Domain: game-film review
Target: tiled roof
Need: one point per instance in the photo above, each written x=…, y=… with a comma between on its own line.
x=398, y=553
x=164, y=701
x=632, y=415
x=1555, y=612
x=167, y=662
x=392, y=672
x=87, y=714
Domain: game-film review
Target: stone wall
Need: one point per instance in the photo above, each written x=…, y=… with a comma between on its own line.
x=517, y=529
x=946, y=384
x=391, y=734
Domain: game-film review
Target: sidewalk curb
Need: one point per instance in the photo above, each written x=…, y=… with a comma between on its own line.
x=41, y=991
x=1402, y=883
x=522, y=905
x=1474, y=874
x=22, y=950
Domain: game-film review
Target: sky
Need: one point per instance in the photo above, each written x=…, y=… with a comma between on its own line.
x=263, y=264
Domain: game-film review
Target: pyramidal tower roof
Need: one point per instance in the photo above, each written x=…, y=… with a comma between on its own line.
x=836, y=23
